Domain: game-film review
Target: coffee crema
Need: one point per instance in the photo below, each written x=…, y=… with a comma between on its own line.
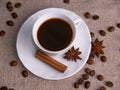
x=55, y=34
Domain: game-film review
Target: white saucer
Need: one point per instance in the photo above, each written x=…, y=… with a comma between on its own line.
x=26, y=50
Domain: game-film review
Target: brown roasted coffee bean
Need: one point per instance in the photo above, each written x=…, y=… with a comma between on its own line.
x=76, y=85
x=87, y=70
x=66, y=1
x=100, y=77
x=92, y=73
x=90, y=61
x=80, y=81
x=102, y=33
x=9, y=6
x=4, y=88
x=91, y=56
x=2, y=33
x=87, y=15
x=95, y=17
x=13, y=63
x=85, y=76
x=14, y=15
x=109, y=84
x=102, y=88
x=111, y=28
x=92, y=34
x=17, y=5
x=10, y=23
x=87, y=84
x=25, y=73
x=103, y=58
x=118, y=25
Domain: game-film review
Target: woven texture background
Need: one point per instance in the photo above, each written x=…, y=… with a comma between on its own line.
x=109, y=12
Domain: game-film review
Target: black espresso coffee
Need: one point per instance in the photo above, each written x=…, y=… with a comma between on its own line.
x=55, y=34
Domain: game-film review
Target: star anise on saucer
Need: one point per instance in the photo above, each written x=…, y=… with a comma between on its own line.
x=97, y=47
x=72, y=54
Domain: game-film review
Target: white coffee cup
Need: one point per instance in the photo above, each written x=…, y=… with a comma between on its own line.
x=46, y=17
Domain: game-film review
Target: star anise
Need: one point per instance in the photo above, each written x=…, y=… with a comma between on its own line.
x=97, y=47
x=72, y=54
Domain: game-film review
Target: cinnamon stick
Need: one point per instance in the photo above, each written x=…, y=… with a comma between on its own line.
x=50, y=61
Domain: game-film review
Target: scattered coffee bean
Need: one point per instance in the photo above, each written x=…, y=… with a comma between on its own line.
x=4, y=88
x=66, y=1
x=87, y=84
x=111, y=28
x=90, y=61
x=85, y=76
x=9, y=6
x=118, y=25
x=80, y=81
x=91, y=56
x=2, y=33
x=10, y=23
x=76, y=85
x=100, y=77
x=25, y=73
x=92, y=34
x=13, y=63
x=14, y=15
x=92, y=73
x=109, y=84
x=102, y=33
x=103, y=58
x=95, y=17
x=102, y=88
x=87, y=70
x=87, y=15
x=17, y=5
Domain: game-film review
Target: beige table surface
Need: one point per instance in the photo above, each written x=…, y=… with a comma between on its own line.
x=109, y=12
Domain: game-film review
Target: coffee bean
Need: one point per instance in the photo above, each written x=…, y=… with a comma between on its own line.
x=91, y=56
x=17, y=5
x=118, y=25
x=95, y=17
x=80, y=81
x=90, y=61
x=4, y=88
x=85, y=76
x=103, y=58
x=10, y=23
x=92, y=34
x=87, y=15
x=109, y=84
x=66, y=1
x=87, y=84
x=2, y=33
x=25, y=73
x=102, y=32
x=92, y=73
x=102, y=88
x=13, y=63
x=100, y=77
x=76, y=85
x=111, y=28
x=9, y=6
x=87, y=70
x=14, y=15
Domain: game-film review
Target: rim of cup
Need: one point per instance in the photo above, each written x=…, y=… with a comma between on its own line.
x=46, y=17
